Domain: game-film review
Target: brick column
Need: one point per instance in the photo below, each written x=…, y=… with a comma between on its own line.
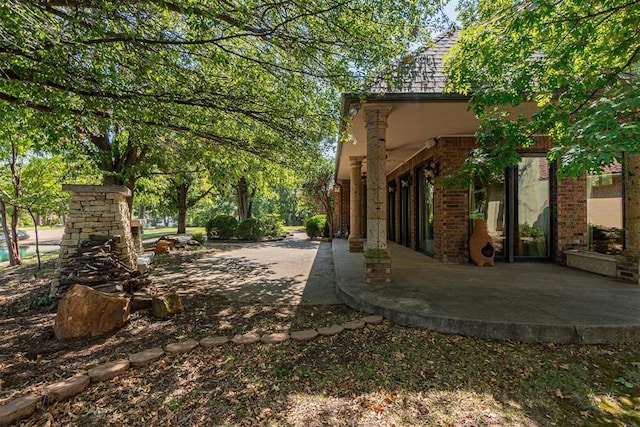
x=356, y=243
x=376, y=258
x=628, y=263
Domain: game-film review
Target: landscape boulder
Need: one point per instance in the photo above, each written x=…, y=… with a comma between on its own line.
x=163, y=247
x=166, y=305
x=85, y=312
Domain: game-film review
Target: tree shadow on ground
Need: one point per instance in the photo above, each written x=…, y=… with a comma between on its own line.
x=380, y=375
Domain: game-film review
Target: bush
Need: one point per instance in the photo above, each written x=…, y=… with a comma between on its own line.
x=198, y=237
x=273, y=225
x=325, y=229
x=221, y=226
x=314, y=225
x=250, y=229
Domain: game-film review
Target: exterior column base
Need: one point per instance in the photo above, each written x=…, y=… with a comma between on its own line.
x=377, y=266
x=356, y=244
x=628, y=266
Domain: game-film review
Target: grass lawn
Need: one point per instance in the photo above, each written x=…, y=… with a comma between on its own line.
x=156, y=233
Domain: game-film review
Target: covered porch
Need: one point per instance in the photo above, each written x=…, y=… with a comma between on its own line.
x=528, y=302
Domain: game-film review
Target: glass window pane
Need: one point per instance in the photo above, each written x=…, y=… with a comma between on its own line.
x=533, y=219
x=488, y=203
x=604, y=210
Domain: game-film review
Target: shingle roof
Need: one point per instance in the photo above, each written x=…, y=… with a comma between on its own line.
x=422, y=72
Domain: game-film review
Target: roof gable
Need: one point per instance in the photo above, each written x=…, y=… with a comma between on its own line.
x=422, y=72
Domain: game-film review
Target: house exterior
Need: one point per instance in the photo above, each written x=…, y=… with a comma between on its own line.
x=402, y=141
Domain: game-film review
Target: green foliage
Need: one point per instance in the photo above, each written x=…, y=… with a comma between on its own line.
x=527, y=230
x=200, y=237
x=326, y=231
x=122, y=81
x=250, y=229
x=221, y=227
x=272, y=225
x=313, y=226
x=566, y=69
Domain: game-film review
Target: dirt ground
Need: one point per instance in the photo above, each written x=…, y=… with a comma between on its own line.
x=382, y=375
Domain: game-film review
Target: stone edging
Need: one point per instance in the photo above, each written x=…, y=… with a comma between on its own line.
x=25, y=406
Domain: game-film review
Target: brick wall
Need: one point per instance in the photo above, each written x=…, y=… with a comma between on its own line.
x=341, y=200
x=571, y=214
x=451, y=226
x=451, y=221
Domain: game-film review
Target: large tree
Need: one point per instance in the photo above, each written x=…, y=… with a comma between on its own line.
x=577, y=60
x=254, y=76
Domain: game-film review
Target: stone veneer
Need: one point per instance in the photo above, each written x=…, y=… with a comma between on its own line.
x=137, y=226
x=98, y=210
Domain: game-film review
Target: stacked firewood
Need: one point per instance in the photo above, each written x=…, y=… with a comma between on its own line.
x=96, y=266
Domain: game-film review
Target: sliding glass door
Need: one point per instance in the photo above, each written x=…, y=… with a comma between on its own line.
x=517, y=207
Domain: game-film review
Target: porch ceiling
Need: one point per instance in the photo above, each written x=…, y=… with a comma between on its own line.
x=410, y=126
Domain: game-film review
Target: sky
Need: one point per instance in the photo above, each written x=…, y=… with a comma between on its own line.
x=450, y=9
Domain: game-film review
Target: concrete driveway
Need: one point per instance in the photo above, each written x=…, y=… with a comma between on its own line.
x=293, y=271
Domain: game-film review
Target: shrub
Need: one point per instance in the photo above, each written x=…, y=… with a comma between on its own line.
x=273, y=225
x=221, y=226
x=325, y=229
x=314, y=225
x=250, y=229
x=198, y=237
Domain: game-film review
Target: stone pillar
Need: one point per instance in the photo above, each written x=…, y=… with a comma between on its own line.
x=376, y=258
x=136, y=233
x=356, y=243
x=100, y=210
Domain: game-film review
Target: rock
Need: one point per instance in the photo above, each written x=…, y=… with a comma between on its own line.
x=249, y=338
x=19, y=408
x=163, y=247
x=146, y=357
x=109, y=370
x=275, y=338
x=306, y=335
x=181, y=347
x=330, y=330
x=166, y=305
x=84, y=312
x=214, y=341
x=144, y=260
x=373, y=320
x=354, y=324
x=66, y=389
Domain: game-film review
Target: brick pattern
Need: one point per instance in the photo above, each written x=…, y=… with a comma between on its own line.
x=451, y=222
x=571, y=214
x=97, y=210
x=356, y=245
x=628, y=269
x=451, y=219
x=377, y=272
x=341, y=202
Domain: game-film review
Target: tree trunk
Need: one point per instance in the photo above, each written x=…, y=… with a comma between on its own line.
x=141, y=211
x=34, y=217
x=244, y=209
x=182, y=207
x=14, y=259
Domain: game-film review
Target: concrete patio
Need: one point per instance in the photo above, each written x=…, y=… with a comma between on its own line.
x=530, y=302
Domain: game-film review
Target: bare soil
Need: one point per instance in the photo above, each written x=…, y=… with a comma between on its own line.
x=383, y=375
